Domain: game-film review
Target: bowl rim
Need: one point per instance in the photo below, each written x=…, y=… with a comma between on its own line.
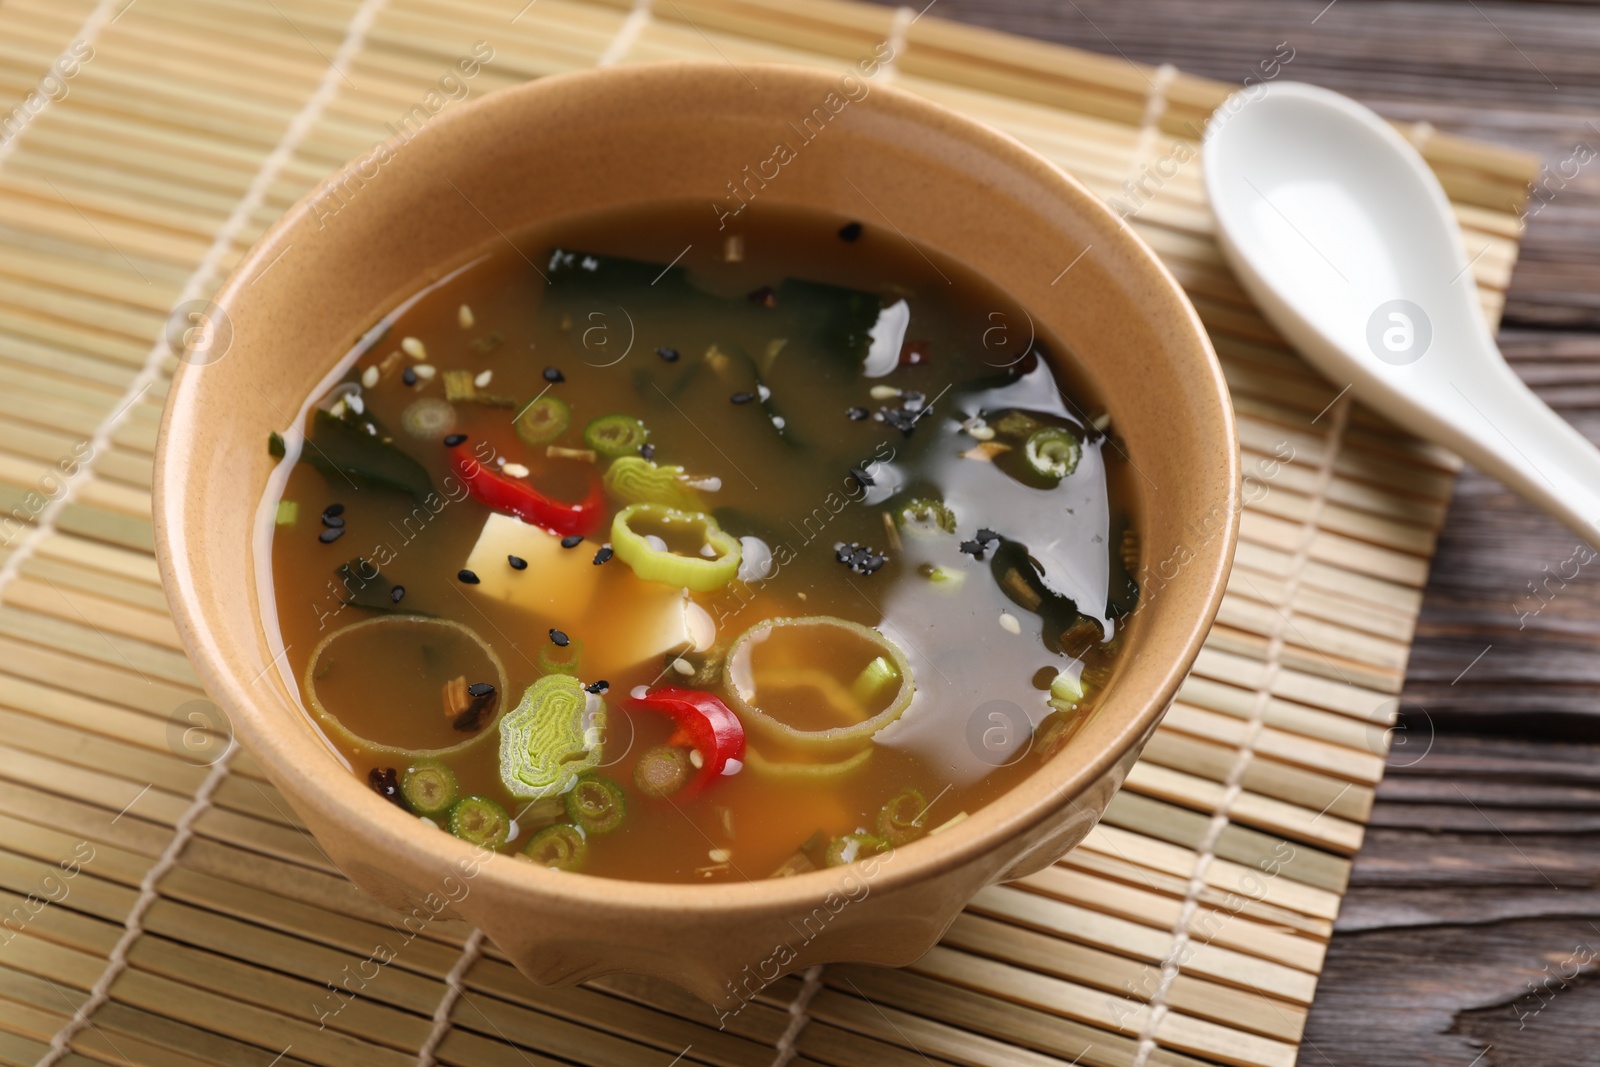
x=403, y=838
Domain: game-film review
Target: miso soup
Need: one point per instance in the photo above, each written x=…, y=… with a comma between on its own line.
x=650, y=550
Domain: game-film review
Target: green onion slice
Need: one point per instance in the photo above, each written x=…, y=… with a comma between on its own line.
x=561, y=846
x=543, y=420
x=702, y=574
x=428, y=788
x=662, y=770
x=615, y=435
x=1052, y=452
x=803, y=773
x=741, y=686
x=874, y=678
x=636, y=480
x=596, y=804
x=926, y=517
x=556, y=659
x=852, y=847
x=550, y=738
x=428, y=418
x=899, y=821
x=480, y=821
x=331, y=724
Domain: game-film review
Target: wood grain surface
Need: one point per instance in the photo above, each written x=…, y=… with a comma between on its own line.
x=1471, y=934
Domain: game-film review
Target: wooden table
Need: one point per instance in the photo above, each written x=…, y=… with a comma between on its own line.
x=1471, y=934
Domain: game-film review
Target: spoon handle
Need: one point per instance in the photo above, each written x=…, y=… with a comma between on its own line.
x=1505, y=430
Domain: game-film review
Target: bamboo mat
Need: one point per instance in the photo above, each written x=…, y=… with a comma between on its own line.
x=157, y=910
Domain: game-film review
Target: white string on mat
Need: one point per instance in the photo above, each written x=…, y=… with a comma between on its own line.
x=1155, y=107
x=627, y=33
x=899, y=26
x=88, y=34
x=454, y=983
x=133, y=926
x=788, y=1046
x=1234, y=783
x=199, y=284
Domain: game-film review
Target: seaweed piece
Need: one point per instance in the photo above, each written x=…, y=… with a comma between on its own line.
x=343, y=449
x=1024, y=581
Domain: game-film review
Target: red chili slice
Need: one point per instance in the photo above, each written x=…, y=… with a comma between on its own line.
x=704, y=723
x=516, y=497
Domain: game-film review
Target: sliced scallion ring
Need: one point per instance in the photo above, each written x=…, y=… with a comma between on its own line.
x=428, y=788
x=636, y=523
x=636, y=480
x=543, y=420
x=662, y=770
x=800, y=773
x=596, y=804
x=561, y=846
x=417, y=624
x=428, y=418
x=741, y=685
x=551, y=737
x=926, y=517
x=615, y=435
x=900, y=820
x=1052, y=452
x=480, y=821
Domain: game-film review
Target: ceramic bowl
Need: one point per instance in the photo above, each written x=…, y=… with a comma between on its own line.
x=578, y=143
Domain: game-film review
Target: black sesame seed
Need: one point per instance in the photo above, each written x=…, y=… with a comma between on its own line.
x=742, y=398
x=647, y=450
x=559, y=639
x=572, y=541
x=850, y=231
x=333, y=522
x=480, y=689
x=333, y=509
x=859, y=557
x=397, y=593
x=467, y=576
x=552, y=374
x=987, y=536
x=763, y=297
x=409, y=376
x=856, y=414
x=598, y=687
x=454, y=439
x=330, y=535
x=670, y=355
x=517, y=563
x=603, y=555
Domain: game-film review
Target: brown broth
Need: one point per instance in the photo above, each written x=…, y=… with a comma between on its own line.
x=789, y=460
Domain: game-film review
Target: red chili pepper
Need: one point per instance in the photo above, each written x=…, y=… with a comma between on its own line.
x=516, y=497
x=704, y=723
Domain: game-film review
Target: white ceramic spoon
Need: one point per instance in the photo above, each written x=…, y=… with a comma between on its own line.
x=1342, y=235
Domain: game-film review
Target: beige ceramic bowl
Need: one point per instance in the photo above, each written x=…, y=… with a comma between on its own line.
x=625, y=136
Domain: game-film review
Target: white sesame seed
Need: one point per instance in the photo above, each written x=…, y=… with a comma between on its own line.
x=464, y=317
x=412, y=347
x=884, y=392
x=777, y=421
x=355, y=404
x=696, y=758
x=425, y=372
x=682, y=666
x=512, y=831
x=639, y=692
x=1009, y=623
x=429, y=821
x=515, y=470
x=762, y=391
x=733, y=249
x=369, y=377
x=733, y=766
x=720, y=855
x=482, y=381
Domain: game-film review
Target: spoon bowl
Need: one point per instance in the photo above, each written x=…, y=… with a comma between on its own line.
x=1342, y=235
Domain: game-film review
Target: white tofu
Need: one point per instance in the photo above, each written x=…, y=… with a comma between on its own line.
x=621, y=620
